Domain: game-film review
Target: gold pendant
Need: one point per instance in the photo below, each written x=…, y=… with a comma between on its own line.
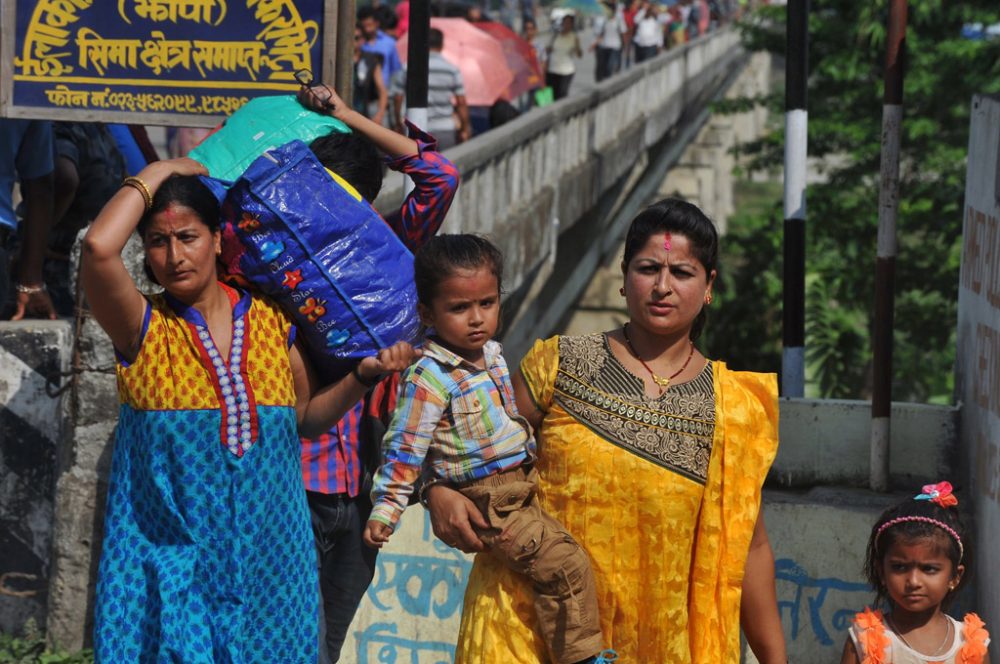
x=662, y=382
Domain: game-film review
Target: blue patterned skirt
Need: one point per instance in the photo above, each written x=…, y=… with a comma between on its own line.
x=208, y=557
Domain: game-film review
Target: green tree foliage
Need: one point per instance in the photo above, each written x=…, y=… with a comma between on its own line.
x=847, y=54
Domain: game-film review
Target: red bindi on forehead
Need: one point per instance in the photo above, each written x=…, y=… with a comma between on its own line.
x=666, y=242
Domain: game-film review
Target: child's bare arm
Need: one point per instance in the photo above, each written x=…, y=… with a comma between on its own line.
x=850, y=654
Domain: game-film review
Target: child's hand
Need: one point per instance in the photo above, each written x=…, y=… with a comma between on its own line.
x=394, y=358
x=376, y=534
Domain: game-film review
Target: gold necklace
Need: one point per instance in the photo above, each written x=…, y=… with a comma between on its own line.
x=663, y=383
x=947, y=637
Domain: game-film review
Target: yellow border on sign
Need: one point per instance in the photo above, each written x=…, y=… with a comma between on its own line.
x=243, y=85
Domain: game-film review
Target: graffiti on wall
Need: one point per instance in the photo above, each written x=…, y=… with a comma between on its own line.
x=412, y=609
x=411, y=612
x=815, y=607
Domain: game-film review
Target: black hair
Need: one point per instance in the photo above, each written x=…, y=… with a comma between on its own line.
x=186, y=190
x=880, y=542
x=673, y=215
x=352, y=157
x=435, y=39
x=386, y=17
x=502, y=112
x=442, y=255
x=367, y=12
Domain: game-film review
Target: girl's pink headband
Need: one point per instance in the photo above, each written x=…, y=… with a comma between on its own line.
x=941, y=494
x=925, y=519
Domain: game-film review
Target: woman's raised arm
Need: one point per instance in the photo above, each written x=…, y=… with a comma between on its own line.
x=112, y=296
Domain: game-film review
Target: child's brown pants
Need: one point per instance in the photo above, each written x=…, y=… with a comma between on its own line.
x=532, y=543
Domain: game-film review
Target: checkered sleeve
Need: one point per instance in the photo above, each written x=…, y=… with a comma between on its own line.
x=405, y=446
x=435, y=181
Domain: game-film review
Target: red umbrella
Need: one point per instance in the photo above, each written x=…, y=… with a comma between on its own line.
x=477, y=55
x=521, y=59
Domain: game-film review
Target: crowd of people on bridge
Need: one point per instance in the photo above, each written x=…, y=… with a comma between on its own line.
x=68, y=170
x=610, y=481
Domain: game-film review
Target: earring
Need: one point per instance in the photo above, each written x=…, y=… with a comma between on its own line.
x=621, y=291
x=708, y=299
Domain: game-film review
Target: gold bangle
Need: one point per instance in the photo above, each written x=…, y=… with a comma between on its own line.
x=142, y=188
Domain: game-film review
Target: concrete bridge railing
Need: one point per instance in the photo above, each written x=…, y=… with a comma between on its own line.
x=534, y=178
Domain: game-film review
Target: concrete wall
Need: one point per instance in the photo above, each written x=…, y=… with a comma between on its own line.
x=826, y=442
x=33, y=357
x=412, y=609
x=978, y=353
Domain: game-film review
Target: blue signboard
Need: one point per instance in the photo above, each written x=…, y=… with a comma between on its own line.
x=166, y=57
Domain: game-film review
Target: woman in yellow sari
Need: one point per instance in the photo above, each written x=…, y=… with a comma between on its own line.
x=653, y=458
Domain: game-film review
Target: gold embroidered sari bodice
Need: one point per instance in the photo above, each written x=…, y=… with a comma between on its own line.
x=673, y=431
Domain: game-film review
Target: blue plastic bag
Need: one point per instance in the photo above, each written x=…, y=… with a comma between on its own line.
x=323, y=254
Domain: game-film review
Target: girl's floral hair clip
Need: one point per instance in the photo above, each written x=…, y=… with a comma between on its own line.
x=939, y=493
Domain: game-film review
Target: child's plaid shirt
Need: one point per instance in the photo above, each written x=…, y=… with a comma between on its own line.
x=456, y=421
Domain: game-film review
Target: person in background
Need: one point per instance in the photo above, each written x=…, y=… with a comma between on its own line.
x=538, y=43
x=678, y=35
x=337, y=466
x=538, y=51
x=686, y=9
x=648, y=32
x=445, y=97
x=134, y=145
x=629, y=11
x=474, y=14
x=377, y=41
x=387, y=20
x=564, y=47
x=371, y=97
x=181, y=140
x=402, y=18
x=609, y=31
x=89, y=169
x=26, y=157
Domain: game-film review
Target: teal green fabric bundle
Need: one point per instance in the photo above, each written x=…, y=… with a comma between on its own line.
x=261, y=124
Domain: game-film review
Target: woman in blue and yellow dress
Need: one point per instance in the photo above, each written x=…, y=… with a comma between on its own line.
x=208, y=553
x=653, y=457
